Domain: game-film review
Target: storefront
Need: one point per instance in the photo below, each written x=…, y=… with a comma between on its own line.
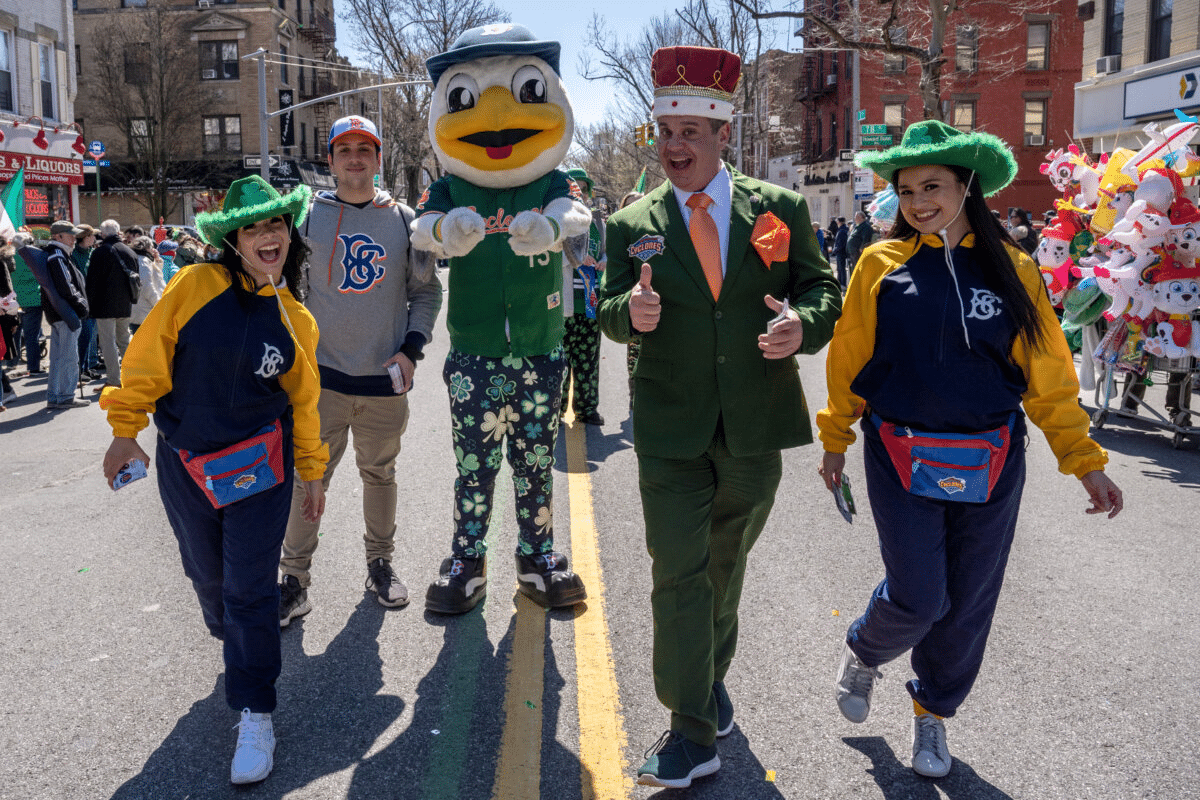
x=53, y=161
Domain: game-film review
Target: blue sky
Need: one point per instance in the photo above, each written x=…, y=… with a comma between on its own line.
x=566, y=21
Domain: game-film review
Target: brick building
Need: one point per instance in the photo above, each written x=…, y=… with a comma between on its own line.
x=213, y=144
x=1009, y=71
x=1141, y=60
x=37, y=95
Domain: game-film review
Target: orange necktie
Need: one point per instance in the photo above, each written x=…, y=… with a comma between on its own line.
x=704, y=238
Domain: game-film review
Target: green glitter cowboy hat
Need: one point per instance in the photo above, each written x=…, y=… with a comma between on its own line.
x=251, y=200
x=935, y=142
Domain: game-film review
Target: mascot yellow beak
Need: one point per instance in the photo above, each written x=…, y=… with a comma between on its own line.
x=499, y=133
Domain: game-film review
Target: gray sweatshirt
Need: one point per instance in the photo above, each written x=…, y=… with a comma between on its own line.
x=371, y=294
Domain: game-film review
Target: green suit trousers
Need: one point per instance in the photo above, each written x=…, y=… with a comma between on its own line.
x=702, y=517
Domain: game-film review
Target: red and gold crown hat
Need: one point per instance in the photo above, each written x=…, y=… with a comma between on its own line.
x=1170, y=268
x=694, y=81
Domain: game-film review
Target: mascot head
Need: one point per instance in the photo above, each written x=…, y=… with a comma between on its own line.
x=500, y=115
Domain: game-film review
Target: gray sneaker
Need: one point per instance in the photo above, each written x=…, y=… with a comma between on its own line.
x=72, y=403
x=855, y=683
x=293, y=600
x=389, y=589
x=931, y=755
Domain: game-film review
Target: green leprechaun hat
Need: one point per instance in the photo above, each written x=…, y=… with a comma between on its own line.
x=249, y=200
x=934, y=142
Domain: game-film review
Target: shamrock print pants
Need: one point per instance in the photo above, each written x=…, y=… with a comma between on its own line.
x=582, y=344
x=504, y=407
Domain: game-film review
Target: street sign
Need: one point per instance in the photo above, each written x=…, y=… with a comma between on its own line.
x=870, y=130
x=845, y=155
x=87, y=162
x=255, y=162
x=862, y=114
x=96, y=147
x=877, y=141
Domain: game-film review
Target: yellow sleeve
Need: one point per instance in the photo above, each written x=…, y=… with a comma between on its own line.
x=147, y=365
x=853, y=343
x=1052, y=399
x=303, y=386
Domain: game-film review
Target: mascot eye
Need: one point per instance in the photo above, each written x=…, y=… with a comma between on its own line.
x=529, y=85
x=461, y=93
x=1188, y=234
x=1175, y=287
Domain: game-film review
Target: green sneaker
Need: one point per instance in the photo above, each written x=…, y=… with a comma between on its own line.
x=676, y=761
x=724, y=710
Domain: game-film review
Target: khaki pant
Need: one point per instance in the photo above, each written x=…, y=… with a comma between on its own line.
x=113, y=336
x=377, y=424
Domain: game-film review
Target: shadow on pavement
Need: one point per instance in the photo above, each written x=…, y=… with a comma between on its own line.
x=897, y=781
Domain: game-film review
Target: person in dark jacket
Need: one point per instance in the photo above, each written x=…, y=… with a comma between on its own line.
x=840, y=252
x=89, y=352
x=65, y=280
x=860, y=236
x=110, y=298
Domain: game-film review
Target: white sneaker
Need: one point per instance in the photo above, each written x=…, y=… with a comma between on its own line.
x=255, y=753
x=855, y=683
x=931, y=756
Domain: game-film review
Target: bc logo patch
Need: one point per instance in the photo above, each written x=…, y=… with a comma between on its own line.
x=360, y=267
x=647, y=247
x=271, y=361
x=952, y=485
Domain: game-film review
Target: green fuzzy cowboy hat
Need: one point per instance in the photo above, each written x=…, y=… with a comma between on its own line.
x=935, y=142
x=249, y=200
x=581, y=177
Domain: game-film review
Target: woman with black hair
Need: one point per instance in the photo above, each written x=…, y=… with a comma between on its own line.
x=946, y=340
x=1021, y=230
x=226, y=362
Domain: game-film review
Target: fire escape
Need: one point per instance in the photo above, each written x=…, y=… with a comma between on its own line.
x=817, y=81
x=320, y=32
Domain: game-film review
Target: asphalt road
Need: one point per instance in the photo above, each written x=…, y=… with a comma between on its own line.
x=113, y=689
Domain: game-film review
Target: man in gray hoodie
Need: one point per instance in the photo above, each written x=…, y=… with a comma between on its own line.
x=375, y=300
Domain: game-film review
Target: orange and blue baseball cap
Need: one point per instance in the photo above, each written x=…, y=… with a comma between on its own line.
x=353, y=124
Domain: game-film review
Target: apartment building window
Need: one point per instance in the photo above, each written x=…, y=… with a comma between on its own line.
x=137, y=63
x=283, y=62
x=833, y=130
x=1035, y=122
x=218, y=61
x=139, y=135
x=223, y=134
x=300, y=11
x=820, y=142
x=1037, y=46
x=304, y=140
x=133, y=3
x=6, y=71
x=893, y=63
x=1160, y=29
x=964, y=115
x=1114, y=26
x=966, y=48
x=78, y=62
x=893, y=117
x=46, y=79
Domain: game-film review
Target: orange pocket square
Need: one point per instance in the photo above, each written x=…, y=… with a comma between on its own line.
x=771, y=238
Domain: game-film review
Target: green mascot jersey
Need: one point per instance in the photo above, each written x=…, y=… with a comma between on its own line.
x=499, y=303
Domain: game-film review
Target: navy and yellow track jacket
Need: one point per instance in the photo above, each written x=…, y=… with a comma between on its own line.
x=213, y=372
x=901, y=348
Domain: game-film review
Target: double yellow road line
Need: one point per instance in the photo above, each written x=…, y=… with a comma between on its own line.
x=603, y=774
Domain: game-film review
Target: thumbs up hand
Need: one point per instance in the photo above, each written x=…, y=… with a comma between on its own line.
x=785, y=333
x=644, y=306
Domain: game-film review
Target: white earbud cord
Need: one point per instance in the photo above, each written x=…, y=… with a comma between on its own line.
x=276, y=286
x=950, y=261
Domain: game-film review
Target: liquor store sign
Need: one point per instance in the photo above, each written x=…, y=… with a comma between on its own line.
x=42, y=169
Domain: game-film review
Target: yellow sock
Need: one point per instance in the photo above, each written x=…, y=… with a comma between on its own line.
x=919, y=709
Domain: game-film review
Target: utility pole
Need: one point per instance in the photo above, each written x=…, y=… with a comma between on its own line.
x=264, y=166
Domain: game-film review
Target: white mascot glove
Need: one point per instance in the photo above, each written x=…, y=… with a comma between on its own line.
x=450, y=235
x=531, y=233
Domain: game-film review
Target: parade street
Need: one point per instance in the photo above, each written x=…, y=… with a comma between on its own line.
x=114, y=689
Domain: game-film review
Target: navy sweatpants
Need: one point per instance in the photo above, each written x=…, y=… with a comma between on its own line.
x=944, y=564
x=231, y=555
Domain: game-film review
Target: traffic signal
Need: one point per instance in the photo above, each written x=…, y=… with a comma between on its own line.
x=650, y=134
x=639, y=135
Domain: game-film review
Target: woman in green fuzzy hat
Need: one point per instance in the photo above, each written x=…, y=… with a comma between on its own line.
x=947, y=340
x=226, y=362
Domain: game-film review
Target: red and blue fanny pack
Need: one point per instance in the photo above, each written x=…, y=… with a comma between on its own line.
x=963, y=467
x=241, y=470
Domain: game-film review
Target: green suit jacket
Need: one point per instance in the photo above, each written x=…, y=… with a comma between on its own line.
x=702, y=364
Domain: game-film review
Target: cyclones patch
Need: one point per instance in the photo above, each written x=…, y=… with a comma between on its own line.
x=647, y=247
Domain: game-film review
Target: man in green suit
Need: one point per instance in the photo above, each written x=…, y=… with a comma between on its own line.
x=717, y=391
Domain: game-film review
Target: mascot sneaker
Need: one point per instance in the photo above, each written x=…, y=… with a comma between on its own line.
x=463, y=583
x=547, y=580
